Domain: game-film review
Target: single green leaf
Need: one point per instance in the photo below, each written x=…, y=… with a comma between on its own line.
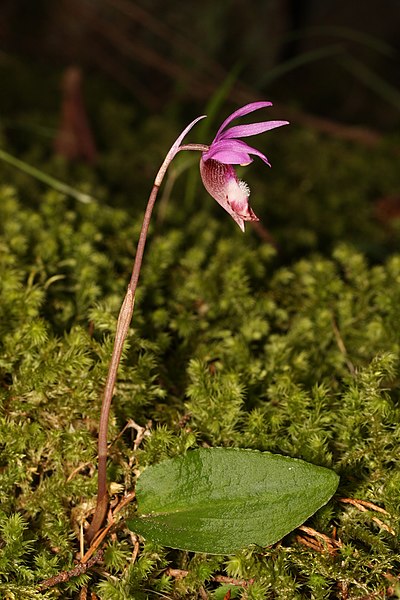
x=218, y=500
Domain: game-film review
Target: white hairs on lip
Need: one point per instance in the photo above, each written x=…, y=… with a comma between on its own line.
x=237, y=190
x=244, y=188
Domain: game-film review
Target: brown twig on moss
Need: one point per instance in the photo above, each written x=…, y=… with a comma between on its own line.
x=364, y=506
x=63, y=576
x=318, y=541
x=182, y=573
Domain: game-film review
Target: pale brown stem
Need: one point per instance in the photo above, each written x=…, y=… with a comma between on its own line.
x=124, y=320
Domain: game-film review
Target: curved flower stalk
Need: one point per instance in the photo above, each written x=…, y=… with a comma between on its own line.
x=221, y=182
x=219, y=176
x=124, y=319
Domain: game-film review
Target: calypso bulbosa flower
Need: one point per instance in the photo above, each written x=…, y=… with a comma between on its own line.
x=219, y=176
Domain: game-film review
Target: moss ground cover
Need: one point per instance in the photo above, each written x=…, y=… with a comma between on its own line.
x=233, y=343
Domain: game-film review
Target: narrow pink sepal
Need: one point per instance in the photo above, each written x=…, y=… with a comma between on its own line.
x=241, y=112
x=173, y=150
x=240, y=131
x=179, y=140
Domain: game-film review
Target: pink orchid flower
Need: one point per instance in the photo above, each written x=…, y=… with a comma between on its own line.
x=218, y=175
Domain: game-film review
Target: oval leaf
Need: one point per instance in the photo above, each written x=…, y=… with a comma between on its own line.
x=218, y=500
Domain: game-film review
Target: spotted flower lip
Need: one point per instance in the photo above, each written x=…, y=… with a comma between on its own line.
x=222, y=183
x=227, y=149
x=217, y=173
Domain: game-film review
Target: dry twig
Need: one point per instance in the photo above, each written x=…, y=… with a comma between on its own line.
x=318, y=541
x=63, y=576
x=364, y=506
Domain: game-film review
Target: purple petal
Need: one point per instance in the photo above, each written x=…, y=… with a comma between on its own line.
x=228, y=157
x=252, y=129
x=245, y=110
x=233, y=152
x=228, y=152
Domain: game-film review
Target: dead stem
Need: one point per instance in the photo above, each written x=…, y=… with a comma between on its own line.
x=75, y=572
x=364, y=506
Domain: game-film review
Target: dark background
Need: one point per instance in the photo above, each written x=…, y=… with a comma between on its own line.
x=332, y=58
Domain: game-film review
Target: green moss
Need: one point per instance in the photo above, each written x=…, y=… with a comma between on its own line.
x=232, y=343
